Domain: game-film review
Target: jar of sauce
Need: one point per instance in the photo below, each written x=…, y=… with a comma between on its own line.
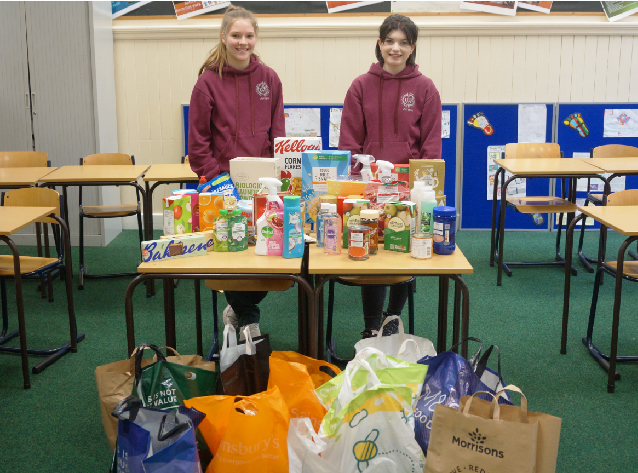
x=358, y=242
x=370, y=219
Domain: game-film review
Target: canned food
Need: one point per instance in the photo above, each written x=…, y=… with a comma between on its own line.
x=358, y=242
x=421, y=246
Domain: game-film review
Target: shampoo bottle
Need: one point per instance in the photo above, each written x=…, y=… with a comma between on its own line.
x=269, y=230
x=293, y=232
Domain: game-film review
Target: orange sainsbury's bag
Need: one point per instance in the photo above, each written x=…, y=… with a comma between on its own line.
x=297, y=389
x=320, y=371
x=245, y=433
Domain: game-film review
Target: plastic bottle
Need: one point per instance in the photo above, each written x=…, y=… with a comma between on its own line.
x=325, y=208
x=332, y=229
x=415, y=196
x=237, y=231
x=269, y=230
x=293, y=232
x=365, y=160
x=384, y=171
x=221, y=231
x=444, y=219
x=426, y=209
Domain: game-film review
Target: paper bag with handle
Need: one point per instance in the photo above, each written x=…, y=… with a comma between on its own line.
x=461, y=441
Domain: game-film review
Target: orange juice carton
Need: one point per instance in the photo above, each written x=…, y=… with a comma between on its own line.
x=176, y=247
x=245, y=173
x=209, y=235
x=431, y=171
x=401, y=172
x=177, y=214
x=289, y=151
x=399, y=225
x=351, y=215
x=194, y=205
x=317, y=167
x=209, y=207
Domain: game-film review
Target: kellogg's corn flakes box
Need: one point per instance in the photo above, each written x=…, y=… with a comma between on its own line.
x=289, y=150
x=316, y=168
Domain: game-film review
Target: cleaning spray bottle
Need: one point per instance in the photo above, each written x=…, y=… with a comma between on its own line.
x=270, y=225
x=365, y=160
x=384, y=171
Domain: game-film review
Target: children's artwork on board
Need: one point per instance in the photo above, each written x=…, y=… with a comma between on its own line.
x=184, y=10
x=618, y=10
x=516, y=188
x=620, y=123
x=479, y=120
x=445, y=124
x=596, y=184
x=500, y=8
x=302, y=122
x=543, y=7
x=122, y=8
x=334, y=131
x=532, y=123
x=575, y=121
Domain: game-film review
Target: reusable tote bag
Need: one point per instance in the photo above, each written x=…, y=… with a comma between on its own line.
x=248, y=374
x=462, y=441
x=400, y=345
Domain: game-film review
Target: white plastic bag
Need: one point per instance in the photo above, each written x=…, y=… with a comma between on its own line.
x=400, y=345
x=231, y=350
x=304, y=447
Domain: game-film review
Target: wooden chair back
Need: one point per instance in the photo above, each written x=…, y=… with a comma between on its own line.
x=34, y=197
x=614, y=151
x=626, y=197
x=532, y=150
x=23, y=159
x=107, y=159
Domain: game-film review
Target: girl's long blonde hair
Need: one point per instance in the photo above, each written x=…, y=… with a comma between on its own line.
x=218, y=55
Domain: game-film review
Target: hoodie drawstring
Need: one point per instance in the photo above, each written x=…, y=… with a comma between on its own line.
x=252, y=105
x=381, y=111
x=396, y=110
x=236, y=108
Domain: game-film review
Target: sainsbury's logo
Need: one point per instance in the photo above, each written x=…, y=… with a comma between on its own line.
x=241, y=449
x=295, y=146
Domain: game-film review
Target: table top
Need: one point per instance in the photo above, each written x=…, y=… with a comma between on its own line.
x=170, y=173
x=96, y=173
x=387, y=262
x=617, y=165
x=23, y=176
x=621, y=218
x=13, y=219
x=548, y=166
x=226, y=263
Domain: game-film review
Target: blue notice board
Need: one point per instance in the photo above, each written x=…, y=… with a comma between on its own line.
x=449, y=147
x=477, y=209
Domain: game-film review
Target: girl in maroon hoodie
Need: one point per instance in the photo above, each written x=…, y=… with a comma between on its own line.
x=392, y=112
x=236, y=110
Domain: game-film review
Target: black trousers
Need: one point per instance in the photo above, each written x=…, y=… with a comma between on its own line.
x=245, y=305
x=374, y=298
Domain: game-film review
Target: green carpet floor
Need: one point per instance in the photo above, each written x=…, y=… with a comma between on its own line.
x=56, y=426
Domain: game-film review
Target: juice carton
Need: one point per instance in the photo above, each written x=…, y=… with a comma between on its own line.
x=399, y=225
x=351, y=211
x=289, y=150
x=401, y=172
x=194, y=205
x=176, y=247
x=316, y=168
x=177, y=214
x=432, y=171
x=208, y=235
x=245, y=174
x=209, y=207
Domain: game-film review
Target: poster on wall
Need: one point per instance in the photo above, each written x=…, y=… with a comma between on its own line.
x=500, y=8
x=532, y=122
x=618, y=10
x=516, y=188
x=595, y=184
x=543, y=7
x=334, y=131
x=303, y=122
x=620, y=123
x=122, y=8
x=185, y=10
x=445, y=124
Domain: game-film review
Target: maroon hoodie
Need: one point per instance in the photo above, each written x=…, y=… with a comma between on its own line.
x=392, y=117
x=239, y=114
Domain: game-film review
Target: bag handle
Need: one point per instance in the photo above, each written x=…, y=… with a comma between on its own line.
x=346, y=393
x=228, y=340
x=474, y=359
x=249, y=342
x=138, y=359
x=174, y=427
x=482, y=363
x=367, y=352
x=497, y=406
x=387, y=320
x=171, y=349
x=404, y=346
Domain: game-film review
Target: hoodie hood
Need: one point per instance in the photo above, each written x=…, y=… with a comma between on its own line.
x=408, y=73
x=252, y=65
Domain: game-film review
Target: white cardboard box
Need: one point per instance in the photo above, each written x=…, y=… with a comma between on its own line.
x=245, y=173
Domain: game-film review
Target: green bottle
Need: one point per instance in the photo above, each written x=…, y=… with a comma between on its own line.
x=221, y=231
x=237, y=231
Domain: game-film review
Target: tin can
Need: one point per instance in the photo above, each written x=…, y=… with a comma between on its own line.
x=421, y=246
x=358, y=242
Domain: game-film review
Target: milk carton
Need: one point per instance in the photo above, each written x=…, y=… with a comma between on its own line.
x=289, y=150
x=316, y=168
x=245, y=174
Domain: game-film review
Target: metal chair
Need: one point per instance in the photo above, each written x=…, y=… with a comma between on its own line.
x=533, y=205
x=606, y=151
x=106, y=211
x=35, y=268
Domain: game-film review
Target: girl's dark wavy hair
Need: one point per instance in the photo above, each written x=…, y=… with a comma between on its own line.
x=403, y=23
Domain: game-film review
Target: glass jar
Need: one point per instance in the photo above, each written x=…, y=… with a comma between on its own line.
x=358, y=242
x=444, y=230
x=370, y=219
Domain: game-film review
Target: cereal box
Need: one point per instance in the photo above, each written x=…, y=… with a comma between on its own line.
x=289, y=150
x=209, y=207
x=432, y=171
x=316, y=168
x=399, y=225
x=176, y=247
x=177, y=214
x=245, y=174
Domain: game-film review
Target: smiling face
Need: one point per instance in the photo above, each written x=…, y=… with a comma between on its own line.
x=395, y=50
x=240, y=42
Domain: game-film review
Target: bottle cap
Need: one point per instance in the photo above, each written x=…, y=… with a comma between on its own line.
x=369, y=214
x=326, y=206
x=223, y=212
x=293, y=199
x=333, y=208
x=418, y=184
x=236, y=212
x=328, y=198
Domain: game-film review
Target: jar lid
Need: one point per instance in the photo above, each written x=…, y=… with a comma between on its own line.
x=422, y=236
x=358, y=228
x=369, y=214
x=444, y=211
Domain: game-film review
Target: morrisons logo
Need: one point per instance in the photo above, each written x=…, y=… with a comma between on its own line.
x=476, y=444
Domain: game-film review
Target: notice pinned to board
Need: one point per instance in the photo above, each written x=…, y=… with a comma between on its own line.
x=598, y=185
x=532, y=123
x=303, y=122
x=516, y=188
x=334, y=132
x=122, y=8
x=445, y=124
x=620, y=123
x=185, y=10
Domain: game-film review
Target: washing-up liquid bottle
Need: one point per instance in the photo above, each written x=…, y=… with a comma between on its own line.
x=325, y=207
x=293, y=231
x=270, y=225
x=365, y=160
x=384, y=171
x=426, y=211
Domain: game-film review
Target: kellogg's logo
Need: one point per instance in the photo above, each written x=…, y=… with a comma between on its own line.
x=408, y=101
x=262, y=89
x=295, y=146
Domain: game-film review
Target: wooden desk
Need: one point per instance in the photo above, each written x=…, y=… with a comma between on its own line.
x=623, y=219
x=532, y=168
x=216, y=265
x=384, y=263
x=14, y=178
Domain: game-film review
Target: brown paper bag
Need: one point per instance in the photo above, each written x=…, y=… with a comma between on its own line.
x=115, y=382
x=462, y=442
x=548, y=429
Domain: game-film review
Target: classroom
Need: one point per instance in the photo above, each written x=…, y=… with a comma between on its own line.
x=102, y=141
